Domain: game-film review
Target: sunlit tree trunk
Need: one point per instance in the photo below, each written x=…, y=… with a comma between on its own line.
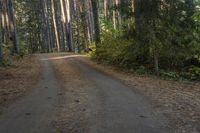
x=105, y=9
x=119, y=19
x=61, y=27
x=55, y=25
x=85, y=26
x=1, y=13
x=69, y=25
x=114, y=14
x=4, y=22
x=15, y=48
x=7, y=20
x=64, y=21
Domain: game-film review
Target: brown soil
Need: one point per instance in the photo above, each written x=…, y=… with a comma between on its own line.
x=179, y=101
x=17, y=79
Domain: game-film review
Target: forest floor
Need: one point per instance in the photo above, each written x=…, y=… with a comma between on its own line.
x=76, y=95
x=18, y=78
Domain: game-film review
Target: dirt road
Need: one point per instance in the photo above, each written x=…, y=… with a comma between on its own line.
x=74, y=97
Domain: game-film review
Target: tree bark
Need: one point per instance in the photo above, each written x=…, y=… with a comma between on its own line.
x=15, y=48
x=76, y=8
x=85, y=26
x=64, y=26
x=96, y=21
x=70, y=31
x=1, y=51
x=156, y=61
x=55, y=25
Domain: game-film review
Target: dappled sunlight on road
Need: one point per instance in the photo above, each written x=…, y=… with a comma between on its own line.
x=61, y=57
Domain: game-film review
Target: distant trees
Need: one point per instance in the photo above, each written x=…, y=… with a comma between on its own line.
x=153, y=35
x=8, y=26
x=49, y=25
x=57, y=25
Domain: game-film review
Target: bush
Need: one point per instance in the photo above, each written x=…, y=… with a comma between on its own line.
x=141, y=70
x=169, y=74
x=5, y=62
x=23, y=50
x=195, y=73
x=114, y=51
x=176, y=52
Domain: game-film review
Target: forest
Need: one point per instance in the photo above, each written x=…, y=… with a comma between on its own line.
x=99, y=66
x=157, y=37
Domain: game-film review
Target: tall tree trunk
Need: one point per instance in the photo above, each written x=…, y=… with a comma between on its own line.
x=13, y=28
x=49, y=10
x=7, y=28
x=105, y=9
x=1, y=51
x=61, y=29
x=45, y=31
x=141, y=22
x=114, y=14
x=76, y=8
x=138, y=15
x=64, y=26
x=91, y=22
x=69, y=25
x=96, y=21
x=119, y=19
x=55, y=25
x=85, y=26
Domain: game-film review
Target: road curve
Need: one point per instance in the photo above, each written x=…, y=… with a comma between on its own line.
x=116, y=108
x=113, y=106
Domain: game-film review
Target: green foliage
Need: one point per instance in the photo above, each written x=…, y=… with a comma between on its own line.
x=168, y=32
x=5, y=62
x=195, y=73
x=169, y=74
x=192, y=74
x=113, y=51
x=141, y=70
x=23, y=50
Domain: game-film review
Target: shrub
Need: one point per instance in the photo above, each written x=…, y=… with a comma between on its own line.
x=23, y=50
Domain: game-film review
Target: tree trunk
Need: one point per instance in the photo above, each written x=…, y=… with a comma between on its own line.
x=138, y=16
x=49, y=11
x=76, y=8
x=105, y=9
x=64, y=26
x=13, y=28
x=85, y=26
x=1, y=51
x=156, y=62
x=96, y=21
x=60, y=22
x=70, y=31
x=55, y=25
